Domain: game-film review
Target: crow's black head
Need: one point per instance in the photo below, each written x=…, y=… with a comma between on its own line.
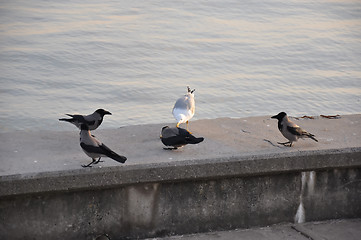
x=103, y=112
x=280, y=116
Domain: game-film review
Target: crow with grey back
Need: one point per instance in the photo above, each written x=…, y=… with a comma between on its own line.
x=93, y=120
x=290, y=130
x=95, y=149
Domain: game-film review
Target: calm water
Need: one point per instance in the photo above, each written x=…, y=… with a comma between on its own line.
x=135, y=58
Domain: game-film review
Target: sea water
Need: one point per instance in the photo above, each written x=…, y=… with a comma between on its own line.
x=135, y=58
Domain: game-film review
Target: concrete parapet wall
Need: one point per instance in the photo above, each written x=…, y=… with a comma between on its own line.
x=148, y=201
x=195, y=189
x=83, y=179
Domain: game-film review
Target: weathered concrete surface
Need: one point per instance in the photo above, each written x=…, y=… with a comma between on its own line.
x=46, y=151
x=168, y=208
x=231, y=147
x=243, y=165
x=233, y=179
x=328, y=230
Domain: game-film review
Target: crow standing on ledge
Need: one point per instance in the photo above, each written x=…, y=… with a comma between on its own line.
x=95, y=149
x=93, y=120
x=290, y=130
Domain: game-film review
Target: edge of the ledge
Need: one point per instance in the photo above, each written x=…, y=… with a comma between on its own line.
x=185, y=170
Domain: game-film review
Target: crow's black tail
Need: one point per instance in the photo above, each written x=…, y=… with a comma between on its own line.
x=117, y=157
x=67, y=120
x=113, y=155
x=195, y=140
x=312, y=137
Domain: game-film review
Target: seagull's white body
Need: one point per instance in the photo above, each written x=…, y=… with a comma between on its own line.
x=184, y=108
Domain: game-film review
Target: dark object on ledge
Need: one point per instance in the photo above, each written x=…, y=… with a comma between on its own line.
x=177, y=137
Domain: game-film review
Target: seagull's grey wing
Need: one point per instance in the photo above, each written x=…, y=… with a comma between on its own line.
x=181, y=103
x=296, y=130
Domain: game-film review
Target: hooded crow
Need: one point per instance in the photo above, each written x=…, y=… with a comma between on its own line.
x=184, y=108
x=95, y=149
x=93, y=120
x=177, y=137
x=290, y=130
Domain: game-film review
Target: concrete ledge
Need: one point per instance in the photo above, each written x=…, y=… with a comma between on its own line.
x=236, y=166
x=237, y=178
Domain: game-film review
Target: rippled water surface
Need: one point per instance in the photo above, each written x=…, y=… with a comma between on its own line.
x=135, y=58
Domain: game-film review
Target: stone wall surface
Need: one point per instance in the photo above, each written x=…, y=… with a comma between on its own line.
x=236, y=178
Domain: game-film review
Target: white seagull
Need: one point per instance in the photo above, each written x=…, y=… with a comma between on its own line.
x=95, y=149
x=93, y=120
x=290, y=130
x=184, y=108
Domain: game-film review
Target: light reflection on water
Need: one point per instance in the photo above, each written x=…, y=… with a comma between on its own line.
x=135, y=58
